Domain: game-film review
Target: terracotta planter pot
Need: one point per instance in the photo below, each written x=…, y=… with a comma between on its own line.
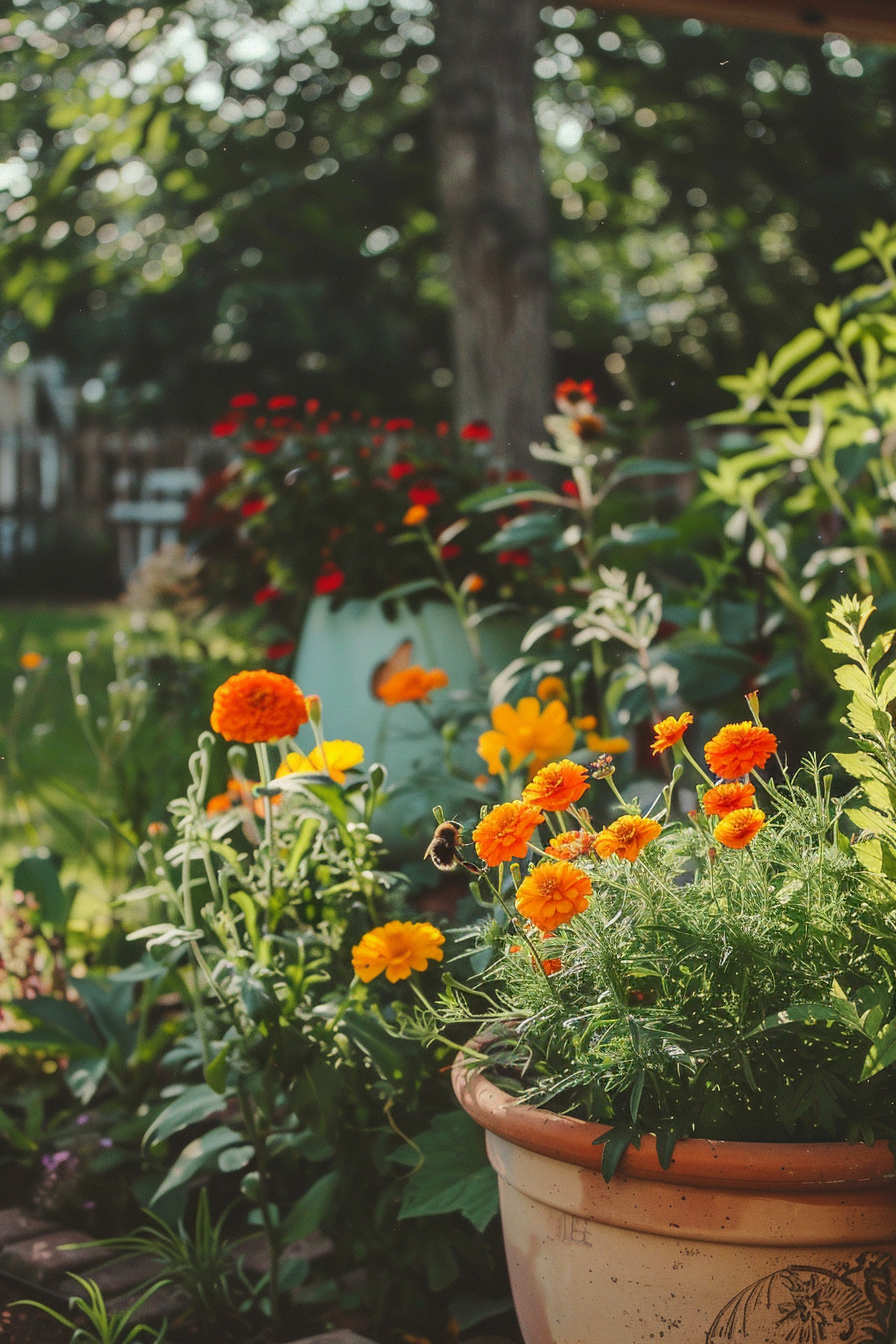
x=737, y=1243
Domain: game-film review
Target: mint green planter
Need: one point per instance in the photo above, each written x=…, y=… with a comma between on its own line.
x=336, y=660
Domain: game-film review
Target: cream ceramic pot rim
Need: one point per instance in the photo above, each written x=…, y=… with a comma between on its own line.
x=699, y=1162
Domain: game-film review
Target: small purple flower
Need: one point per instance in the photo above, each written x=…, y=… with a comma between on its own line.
x=90, y=1203
x=51, y=1161
x=105, y=1143
x=82, y=1120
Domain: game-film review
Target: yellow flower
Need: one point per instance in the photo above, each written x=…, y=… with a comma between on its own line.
x=606, y=746
x=335, y=759
x=417, y=513
x=551, y=688
x=397, y=948
x=527, y=730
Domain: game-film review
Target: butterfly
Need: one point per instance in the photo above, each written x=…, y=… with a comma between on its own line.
x=397, y=661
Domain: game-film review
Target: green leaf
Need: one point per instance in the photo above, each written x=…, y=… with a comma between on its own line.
x=40, y=878
x=215, y=1072
x=615, y=1142
x=408, y=589
x=200, y=1155
x=857, y=256
x=192, y=1106
x=882, y=1052
x=819, y=371
x=84, y=1077
x=453, y=1175
x=393, y=1059
x=64, y=1018
x=649, y=466
x=509, y=493
x=234, y=1159
x=801, y=347
x=308, y=1213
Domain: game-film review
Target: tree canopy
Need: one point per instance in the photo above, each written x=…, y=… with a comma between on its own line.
x=217, y=193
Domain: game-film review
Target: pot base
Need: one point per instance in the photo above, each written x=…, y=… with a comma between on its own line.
x=732, y=1269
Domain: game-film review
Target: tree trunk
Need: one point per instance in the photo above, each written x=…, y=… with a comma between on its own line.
x=495, y=219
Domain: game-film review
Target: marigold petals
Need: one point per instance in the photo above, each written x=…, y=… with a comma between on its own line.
x=725, y=798
x=570, y=845
x=737, y=829
x=504, y=833
x=258, y=706
x=556, y=786
x=397, y=948
x=739, y=748
x=669, y=731
x=552, y=893
x=626, y=837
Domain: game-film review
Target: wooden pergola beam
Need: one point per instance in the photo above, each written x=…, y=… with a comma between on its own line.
x=861, y=20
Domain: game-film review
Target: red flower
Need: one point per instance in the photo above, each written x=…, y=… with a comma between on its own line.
x=395, y=426
x=281, y=403
x=516, y=475
x=570, y=390
x=323, y=427
x=281, y=648
x=266, y=594
x=281, y=421
x=334, y=417
x=450, y=551
x=312, y=405
x=355, y=416
x=250, y=507
x=222, y=428
x=520, y=558
x=329, y=579
x=442, y=428
x=260, y=421
x=425, y=494
x=400, y=469
x=261, y=446
x=477, y=431
x=377, y=440
x=243, y=399
x=570, y=488
x=375, y=421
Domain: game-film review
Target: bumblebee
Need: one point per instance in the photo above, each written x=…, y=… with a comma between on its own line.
x=444, y=846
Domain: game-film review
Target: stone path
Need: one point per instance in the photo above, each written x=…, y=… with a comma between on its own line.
x=38, y=1253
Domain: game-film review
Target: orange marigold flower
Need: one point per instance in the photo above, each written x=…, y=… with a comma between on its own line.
x=669, y=731
x=552, y=893
x=221, y=802
x=739, y=748
x=551, y=688
x=417, y=513
x=725, y=798
x=552, y=965
x=545, y=734
x=586, y=724
x=258, y=707
x=30, y=661
x=556, y=785
x=504, y=833
x=626, y=837
x=473, y=583
x=571, y=845
x=737, y=829
x=414, y=683
x=397, y=948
